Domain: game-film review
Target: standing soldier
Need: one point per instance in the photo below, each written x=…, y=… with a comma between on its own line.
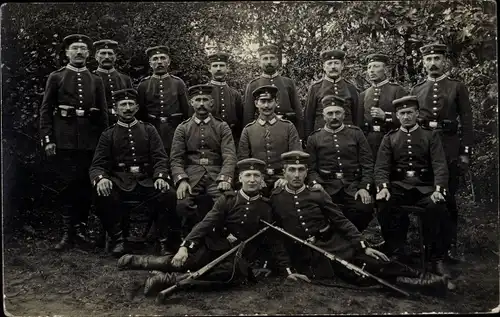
x=332, y=83
x=203, y=157
x=288, y=99
x=227, y=101
x=105, y=55
x=130, y=161
x=341, y=162
x=72, y=116
x=411, y=170
x=442, y=101
x=379, y=116
x=267, y=137
x=162, y=97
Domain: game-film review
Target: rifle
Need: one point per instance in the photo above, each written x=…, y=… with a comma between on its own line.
x=352, y=267
x=167, y=292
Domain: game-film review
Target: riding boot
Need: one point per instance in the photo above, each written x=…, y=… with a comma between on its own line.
x=68, y=235
x=81, y=234
x=159, y=282
x=429, y=282
x=145, y=262
x=118, y=244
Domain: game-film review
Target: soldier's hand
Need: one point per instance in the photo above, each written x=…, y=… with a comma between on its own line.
x=366, y=198
x=437, y=197
x=318, y=186
x=183, y=190
x=50, y=149
x=376, y=254
x=297, y=277
x=281, y=182
x=180, y=257
x=104, y=187
x=383, y=194
x=376, y=112
x=161, y=184
x=224, y=186
x=262, y=184
x=231, y=238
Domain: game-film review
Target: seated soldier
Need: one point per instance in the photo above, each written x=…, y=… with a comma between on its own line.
x=411, y=170
x=341, y=163
x=130, y=161
x=235, y=217
x=309, y=214
x=203, y=157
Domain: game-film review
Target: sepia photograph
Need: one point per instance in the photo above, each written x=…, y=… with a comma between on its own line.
x=249, y=158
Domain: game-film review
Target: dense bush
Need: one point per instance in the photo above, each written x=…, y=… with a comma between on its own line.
x=32, y=33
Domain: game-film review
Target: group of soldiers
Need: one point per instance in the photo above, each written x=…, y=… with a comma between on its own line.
x=321, y=175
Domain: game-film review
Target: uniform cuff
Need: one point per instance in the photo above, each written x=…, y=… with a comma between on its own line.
x=365, y=186
x=388, y=116
x=161, y=175
x=440, y=189
x=465, y=150
x=46, y=140
x=224, y=178
x=98, y=179
x=382, y=186
x=180, y=177
x=191, y=245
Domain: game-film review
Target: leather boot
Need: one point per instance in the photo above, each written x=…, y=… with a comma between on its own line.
x=164, y=248
x=118, y=243
x=452, y=255
x=81, y=234
x=144, y=262
x=429, y=282
x=101, y=239
x=68, y=235
x=441, y=269
x=159, y=282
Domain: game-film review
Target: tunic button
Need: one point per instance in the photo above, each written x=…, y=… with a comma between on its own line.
x=298, y=210
x=223, y=110
x=434, y=101
x=79, y=79
x=294, y=196
x=109, y=79
x=409, y=141
x=336, y=145
x=161, y=91
x=409, y=146
x=300, y=217
x=130, y=135
x=161, y=86
x=307, y=229
x=222, y=99
x=79, y=85
x=133, y=148
x=161, y=101
x=296, y=203
x=409, y=164
x=409, y=134
x=80, y=90
x=245, y=215
x=133, y=154
x=135, y=160
x=435, y=96
x=409, y=153
x=132, y=142
x=247, y=208
x=375, y=99
x=248, y=202
x=242, y=222
x=303, y=223
x=338, y=158
x=435, y=109
x=81, y=101
x=340, y=164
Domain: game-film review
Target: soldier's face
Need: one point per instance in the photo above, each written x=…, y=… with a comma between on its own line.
x=268, y=63
x=159, y=63
x=407, y=117
x=295, y=174
x=334, y=116
x=106, y=58
x=250, y=180
x=202, y=105
x=126, y=109
x=218, y=70
x=376, y=71
x=333, y=68
x=266, y=106
x=77, y=53
x=434, y=64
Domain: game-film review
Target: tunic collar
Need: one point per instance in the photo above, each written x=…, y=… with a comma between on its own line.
x=298, y=191
x=127, y=125
x=73, y=68
x=336, y=130
x=380, y=84
x=270, y=76
x=438, y=78
x=106, y=71
x=415, y=127
x=218, y=83
x=205, y=121
x=160, y=77
x=262, y=122
x=331, y=80
x=244, y=195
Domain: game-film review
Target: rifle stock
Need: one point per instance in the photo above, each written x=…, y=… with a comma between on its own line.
x=352, y=267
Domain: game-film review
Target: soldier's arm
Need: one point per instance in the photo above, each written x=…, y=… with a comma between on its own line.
x=213, y=220
x=47, y=109
x=311, y=147
x=101, y=166
x=128, y=82
x=438, y=161
x=297, y=108
x=159, y=156
x=357, y=111
x=100, y=101
x=383, y=163
x=361, y=112
x=294, y=143
x=228, y=154
x=400, y=93
x=248, y=106
x=183, y=100
x=465, y=113
x=142, y=114
x=178, y=154
x=244, y=149
x=309, y=111
x=365, y=157
x=238, y=107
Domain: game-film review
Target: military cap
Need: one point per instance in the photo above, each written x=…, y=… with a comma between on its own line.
x=200, y=90
x=332, y=54
x=74, y=38
x=102, y=44
x=268, y=49
x=125, y=94
x=156, y=50
x=377, y=58
x=436, y=48
x=218, y=57
x=332, y=100
x=405, y=102
x=295, y=157
x=265, y=92
x=251, y=164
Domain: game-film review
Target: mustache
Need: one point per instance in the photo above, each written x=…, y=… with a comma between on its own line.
x=434, y=67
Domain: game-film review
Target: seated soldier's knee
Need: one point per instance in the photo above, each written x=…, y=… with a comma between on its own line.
x=186, y=207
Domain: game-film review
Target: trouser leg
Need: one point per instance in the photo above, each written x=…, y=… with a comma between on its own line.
x=358, y=213
x=451, y=223
x=187, y=209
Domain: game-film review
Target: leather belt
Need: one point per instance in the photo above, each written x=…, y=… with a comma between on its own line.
x=165, y=119
x=400, y=174
x=66, y=111
x=134, y=169
x=336, y=174
x=205, y=161
x=449, y=126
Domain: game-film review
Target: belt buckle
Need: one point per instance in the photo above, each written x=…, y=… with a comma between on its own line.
x=204, y=161
x=64, y=113
x=80, y=112
x=339, y=175
x=163, y=119
x=433, y=124
x=134, y=169
x=410, y=173
x=376, y=128
x=280, y=116
x=270, y=171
